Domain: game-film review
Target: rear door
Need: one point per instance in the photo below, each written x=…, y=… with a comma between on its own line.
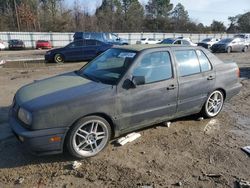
x=153, y=101
x=196, y=78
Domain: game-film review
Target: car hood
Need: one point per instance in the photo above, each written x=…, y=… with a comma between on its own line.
x=59, y=89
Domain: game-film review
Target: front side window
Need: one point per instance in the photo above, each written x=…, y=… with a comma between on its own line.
x=187, y=61
x=154, y=67
x=204, y=62
x=109, y=67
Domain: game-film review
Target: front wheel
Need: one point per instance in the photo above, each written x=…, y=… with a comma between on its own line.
x=88, y=137
x=58, y=58
x=213, y=105
x=229, y=49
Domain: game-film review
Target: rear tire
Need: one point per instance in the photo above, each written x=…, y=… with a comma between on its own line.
x=88, y=137
x=58, y=58
x=213, y=104
x=245, y=49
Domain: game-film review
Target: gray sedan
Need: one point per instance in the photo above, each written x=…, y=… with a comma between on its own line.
x=122, y=90
x=230, y=45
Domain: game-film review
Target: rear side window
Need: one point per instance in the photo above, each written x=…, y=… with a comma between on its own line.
x=204, y=62
x=187, y=61
x=154, y=67
x=185, y=42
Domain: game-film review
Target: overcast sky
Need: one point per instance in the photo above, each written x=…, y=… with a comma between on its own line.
x=204, y=11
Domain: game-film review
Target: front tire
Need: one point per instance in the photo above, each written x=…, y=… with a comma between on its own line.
x=213, y=105
x=58, y=58
x=229, y=49
x=88, y=137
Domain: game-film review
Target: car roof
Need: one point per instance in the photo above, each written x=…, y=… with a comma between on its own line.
x=140, y=47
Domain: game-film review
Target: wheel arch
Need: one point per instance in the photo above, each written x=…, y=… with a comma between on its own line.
x=99, y=114
x=222, y=90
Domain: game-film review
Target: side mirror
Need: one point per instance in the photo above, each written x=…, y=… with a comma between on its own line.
x=136, y=80
x=118, y=38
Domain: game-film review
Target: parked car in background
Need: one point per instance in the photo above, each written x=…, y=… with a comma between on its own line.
x=43, y=44
x=208, y=42
x=178, y=41
x=110, y=38
x=2, y=46
x=245, y=37
x=79, y=50
x=148, y=41
x=16, y=44
x=230, y=45
x=122, y=90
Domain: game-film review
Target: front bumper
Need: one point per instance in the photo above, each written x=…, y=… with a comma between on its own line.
x=38, y=141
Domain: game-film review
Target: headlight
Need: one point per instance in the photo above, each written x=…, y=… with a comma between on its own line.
x=25, y=116
x=48, y=52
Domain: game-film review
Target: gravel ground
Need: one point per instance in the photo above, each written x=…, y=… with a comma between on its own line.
x=189, y=153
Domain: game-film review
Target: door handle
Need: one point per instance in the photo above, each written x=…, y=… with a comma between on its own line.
x=171, y=87
x=211, y=77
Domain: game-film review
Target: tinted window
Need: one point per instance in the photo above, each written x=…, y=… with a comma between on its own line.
x=76, y=44
x=187, y=61
x=90, y=43
x=204, y=62
x=154, y=67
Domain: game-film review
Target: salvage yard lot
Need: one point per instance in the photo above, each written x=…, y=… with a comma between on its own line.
x=186, y=153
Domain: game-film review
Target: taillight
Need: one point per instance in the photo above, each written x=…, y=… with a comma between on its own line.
x=238, y=72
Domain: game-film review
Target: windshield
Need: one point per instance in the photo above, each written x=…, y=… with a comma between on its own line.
x=109, y=67
x=167, y=41
x=226, y=40
x=206, y=40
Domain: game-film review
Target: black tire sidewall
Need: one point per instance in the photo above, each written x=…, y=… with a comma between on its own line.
x=70, y=135
x=55, y=57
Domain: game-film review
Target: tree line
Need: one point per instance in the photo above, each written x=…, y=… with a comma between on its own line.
x=110, y=16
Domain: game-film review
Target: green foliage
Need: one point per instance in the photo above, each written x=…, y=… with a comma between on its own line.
x=217, y=26
x=111, y=16
x=244, y=22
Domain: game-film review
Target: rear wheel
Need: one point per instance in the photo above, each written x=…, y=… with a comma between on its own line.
x=58, y=58
x=213, y=105
x=88, y=137
x=229, y=49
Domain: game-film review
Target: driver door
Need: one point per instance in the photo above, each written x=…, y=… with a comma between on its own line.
x=153, y=101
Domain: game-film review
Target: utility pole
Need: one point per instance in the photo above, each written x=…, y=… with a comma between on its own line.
x=17, y=17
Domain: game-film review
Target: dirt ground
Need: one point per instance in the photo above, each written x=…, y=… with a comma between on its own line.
x=189, y=153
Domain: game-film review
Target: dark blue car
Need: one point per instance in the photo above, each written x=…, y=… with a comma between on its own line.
x=79, y=50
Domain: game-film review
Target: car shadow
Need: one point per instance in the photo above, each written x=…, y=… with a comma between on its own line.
x=194, y=117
